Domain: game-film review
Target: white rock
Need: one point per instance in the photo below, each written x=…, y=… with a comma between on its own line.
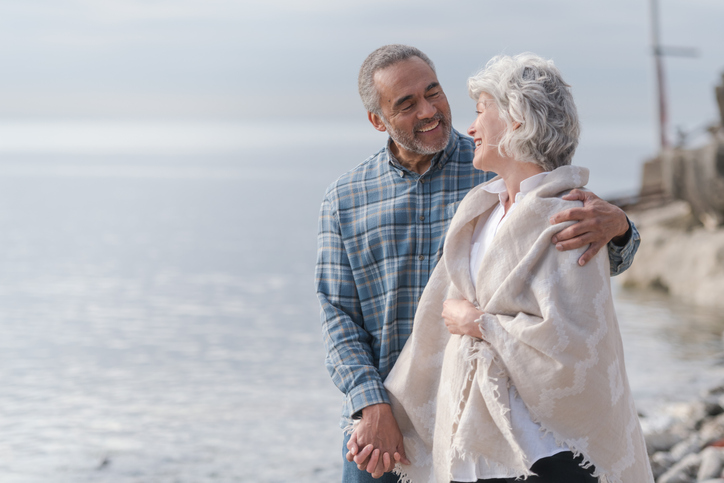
x=713, y=429
x=660, y=462
x=663, y=430
x=682, y=472
x=692, y=444
x=712, y=461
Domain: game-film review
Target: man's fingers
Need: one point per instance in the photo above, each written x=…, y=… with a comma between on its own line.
x=569, y=233
x=590, y=253
x=349, y=456
x=361, y=457
x=577, y=194
x=380, y=470
x=571, y=214
x=401, y=452
x=387, y=462
x=577, y=242
x=352, y=444
x=374, y=459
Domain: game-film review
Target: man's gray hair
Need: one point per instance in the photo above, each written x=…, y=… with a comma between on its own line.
x=383, y=57
x=530, y=90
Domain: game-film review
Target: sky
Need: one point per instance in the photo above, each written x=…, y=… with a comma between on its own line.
x=286, y=69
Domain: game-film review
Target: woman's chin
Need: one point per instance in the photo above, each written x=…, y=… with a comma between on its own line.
x=481, y=165
x=478, y=163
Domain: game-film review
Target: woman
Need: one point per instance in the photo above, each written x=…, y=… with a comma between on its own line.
x=525, y=377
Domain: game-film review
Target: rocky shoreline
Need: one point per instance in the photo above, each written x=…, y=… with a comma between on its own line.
x=685, y=441
x=679, y=212
x=678, y=256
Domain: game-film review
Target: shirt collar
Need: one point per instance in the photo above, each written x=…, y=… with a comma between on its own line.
x=526, y=186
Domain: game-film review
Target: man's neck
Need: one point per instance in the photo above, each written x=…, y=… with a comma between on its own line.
x=415, y=162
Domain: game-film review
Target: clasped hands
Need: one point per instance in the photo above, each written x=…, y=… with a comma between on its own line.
x=380, y=438
x=377, y=433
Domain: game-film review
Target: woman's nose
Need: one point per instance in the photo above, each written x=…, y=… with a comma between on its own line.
x=471, y=130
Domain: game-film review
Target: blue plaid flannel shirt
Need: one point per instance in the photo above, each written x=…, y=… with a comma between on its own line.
x=381, y=233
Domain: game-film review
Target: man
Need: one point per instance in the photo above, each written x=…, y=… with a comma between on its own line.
x=381, y=232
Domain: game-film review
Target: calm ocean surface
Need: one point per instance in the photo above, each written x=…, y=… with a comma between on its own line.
x=159, y=322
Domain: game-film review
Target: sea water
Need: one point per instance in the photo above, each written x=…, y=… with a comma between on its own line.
x=158, y=319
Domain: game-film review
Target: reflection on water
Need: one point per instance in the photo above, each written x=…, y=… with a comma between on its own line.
x=673, y=350
x=160, y=328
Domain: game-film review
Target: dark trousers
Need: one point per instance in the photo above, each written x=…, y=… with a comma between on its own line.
x=559, y=468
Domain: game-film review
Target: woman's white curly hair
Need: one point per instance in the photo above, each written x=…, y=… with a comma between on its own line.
x=530, y=90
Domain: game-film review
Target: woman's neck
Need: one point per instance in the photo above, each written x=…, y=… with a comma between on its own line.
x=515, y=173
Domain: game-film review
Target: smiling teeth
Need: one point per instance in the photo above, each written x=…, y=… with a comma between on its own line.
x=478, y=143
x=432, y=126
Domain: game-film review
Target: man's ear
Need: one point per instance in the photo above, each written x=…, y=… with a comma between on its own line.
x=376, y=121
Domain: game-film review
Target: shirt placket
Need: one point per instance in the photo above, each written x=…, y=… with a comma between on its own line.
x=422, y=251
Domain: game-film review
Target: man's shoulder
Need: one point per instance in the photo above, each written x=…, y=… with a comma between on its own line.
x=368, y=171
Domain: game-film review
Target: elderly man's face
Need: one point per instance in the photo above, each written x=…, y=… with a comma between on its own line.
x=415, y=111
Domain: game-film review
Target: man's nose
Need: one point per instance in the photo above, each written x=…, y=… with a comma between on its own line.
x=427, y=110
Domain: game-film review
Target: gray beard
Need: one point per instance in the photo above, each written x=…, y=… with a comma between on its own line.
x=412, y=144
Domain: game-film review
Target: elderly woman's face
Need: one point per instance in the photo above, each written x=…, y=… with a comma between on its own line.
x=486, y=131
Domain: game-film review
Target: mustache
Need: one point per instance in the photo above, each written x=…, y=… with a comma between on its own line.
x=424, y=122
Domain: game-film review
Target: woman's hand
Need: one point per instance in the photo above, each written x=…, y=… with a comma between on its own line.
x=460, y=318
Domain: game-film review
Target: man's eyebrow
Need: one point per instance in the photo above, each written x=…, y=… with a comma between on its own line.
x=432, y=86
x=401, y=101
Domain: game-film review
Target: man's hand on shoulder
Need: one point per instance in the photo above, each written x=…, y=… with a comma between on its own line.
x=598, y=222
x=380, y=440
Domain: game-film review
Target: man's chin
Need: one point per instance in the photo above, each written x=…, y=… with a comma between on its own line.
x=418, y=146
x=430, y=147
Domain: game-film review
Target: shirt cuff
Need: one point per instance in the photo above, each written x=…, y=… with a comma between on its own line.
x=364, y=395
x=625, y=238
x=622, y=256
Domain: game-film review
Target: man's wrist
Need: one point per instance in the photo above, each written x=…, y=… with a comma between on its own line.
x=375, y=410
x=366, y=394
x=623, y=239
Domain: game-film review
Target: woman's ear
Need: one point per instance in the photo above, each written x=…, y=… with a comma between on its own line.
x=516, y=125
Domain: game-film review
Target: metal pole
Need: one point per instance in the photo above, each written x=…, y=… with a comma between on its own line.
x=659, y=65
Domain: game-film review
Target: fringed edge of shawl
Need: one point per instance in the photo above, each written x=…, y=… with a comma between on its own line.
x=586, y=463
x=402, y=475
x=351, y=426
x=471, y=354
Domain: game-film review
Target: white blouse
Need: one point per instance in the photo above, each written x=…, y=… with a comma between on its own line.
x=532, y=440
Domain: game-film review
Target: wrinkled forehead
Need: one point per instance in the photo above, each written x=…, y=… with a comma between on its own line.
x=408, y=77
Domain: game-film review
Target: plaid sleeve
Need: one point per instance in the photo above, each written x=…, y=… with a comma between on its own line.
x=622, y=257
x=350, y=358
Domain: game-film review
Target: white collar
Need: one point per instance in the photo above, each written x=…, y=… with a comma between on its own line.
x=526, y=186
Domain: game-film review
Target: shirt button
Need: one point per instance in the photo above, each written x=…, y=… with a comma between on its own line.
x=421, y=257
x=422, y=180
x=422, y=217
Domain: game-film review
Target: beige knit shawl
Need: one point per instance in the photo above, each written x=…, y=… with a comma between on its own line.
x=550, y=329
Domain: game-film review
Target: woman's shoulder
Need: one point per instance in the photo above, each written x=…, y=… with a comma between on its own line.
x=558, y=183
